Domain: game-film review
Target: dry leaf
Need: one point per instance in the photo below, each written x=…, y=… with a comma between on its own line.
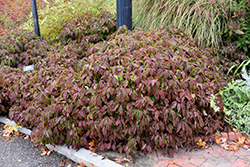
x=69, y=165
x=225, y=146
x=92, y=143
x=172, y=162
x=118, y=159
x=16, y=134
x=121, y=159
x=44, y=153
x=49, y=152
x=92, y=149
x=218, y=139
x=26, y=137
x=247, y=141
x=81, y=164
x=201, y=143
x=241, y=141
x=223, y=139
x=9, y=129
x=233, y=148
x=7, y=139
x=62, y=163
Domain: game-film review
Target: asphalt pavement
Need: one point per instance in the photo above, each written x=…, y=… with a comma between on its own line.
x=18, y=152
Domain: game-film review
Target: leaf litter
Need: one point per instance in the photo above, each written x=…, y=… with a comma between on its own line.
x=241, y=142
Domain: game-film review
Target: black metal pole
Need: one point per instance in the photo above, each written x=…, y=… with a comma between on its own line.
x=35, y=17
x=124, y=13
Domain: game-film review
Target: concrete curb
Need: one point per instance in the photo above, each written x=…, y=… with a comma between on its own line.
x=89, y=158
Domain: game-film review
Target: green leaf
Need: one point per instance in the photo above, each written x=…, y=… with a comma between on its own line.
x=239, y=32
x=245, y=48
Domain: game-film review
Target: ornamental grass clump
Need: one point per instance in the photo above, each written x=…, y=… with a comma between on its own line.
x=137, y=91
x=202, y=19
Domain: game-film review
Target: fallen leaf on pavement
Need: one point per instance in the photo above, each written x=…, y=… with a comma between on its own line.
x=225, y=146
x=241, y=141
x=218, y=139
x=247, y=141
x=49, y=152
x=121, y=159
x=26, y=137
x=16, y=134
x=118, y=159
x=44, y=153
x=92, y=149
x=201, y=143
x=233, y=148
x=7, y=139
x=62, y=163
x=81, y=164
x=9, y=129
x=172, y=162
x=223, y=139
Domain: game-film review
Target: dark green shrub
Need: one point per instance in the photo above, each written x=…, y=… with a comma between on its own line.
x=137, y=91
x=20, y=48
x=227, y=59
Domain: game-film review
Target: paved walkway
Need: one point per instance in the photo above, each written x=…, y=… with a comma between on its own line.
x=214, y=156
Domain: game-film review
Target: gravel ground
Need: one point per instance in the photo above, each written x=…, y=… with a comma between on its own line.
x=18, y=152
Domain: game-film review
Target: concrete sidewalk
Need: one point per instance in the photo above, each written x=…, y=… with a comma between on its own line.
x=214, y=156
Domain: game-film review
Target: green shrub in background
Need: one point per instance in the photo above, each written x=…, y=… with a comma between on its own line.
x=203, y=19
x=236, y=99
x=51, y=18
x=237, y=30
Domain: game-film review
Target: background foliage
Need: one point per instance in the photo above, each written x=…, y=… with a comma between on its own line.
x=237, y=30
x=52, y=18
x=14, y=12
